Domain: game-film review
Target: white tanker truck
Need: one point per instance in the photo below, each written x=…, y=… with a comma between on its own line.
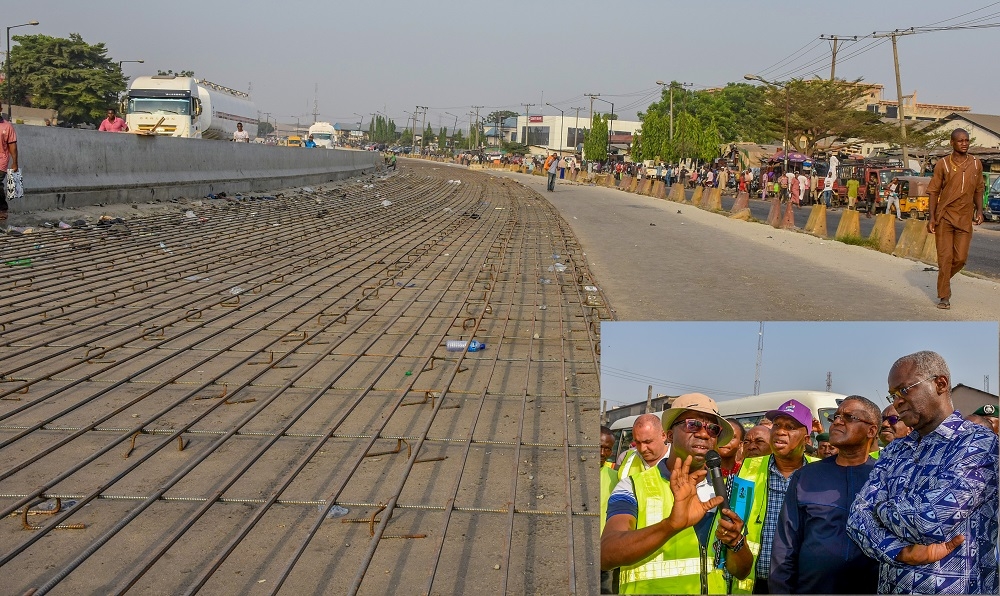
x=188, y=107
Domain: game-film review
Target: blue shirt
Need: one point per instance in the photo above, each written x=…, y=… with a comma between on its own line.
x=812, y=553
x=925, y=490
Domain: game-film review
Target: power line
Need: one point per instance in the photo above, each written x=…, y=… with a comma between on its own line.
x=633, y=376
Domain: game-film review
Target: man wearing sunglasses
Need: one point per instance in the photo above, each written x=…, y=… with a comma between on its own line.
x=892, y=427
x=790, y=425
x=928, y=513
x=812, y=553
x=661, y=523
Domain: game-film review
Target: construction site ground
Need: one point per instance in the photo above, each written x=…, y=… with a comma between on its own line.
x=254, y=395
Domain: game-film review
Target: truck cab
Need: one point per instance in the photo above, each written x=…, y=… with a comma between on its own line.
x=294, y=141
x=172, y=99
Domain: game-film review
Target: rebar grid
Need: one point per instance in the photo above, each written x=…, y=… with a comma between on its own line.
x=288, y=392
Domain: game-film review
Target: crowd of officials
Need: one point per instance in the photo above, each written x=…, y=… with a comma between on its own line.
x=895, y=500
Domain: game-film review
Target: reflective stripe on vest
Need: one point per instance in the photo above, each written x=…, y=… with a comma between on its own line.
x=609, y=478
x=756, y=470
x=675, y=568
x=626, y=467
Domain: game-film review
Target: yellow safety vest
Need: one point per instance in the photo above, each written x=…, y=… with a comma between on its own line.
x=676, y=567
x=755, y=469
x=609, y=478
x=632, y=465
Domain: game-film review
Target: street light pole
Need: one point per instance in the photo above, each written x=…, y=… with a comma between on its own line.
x=784, y=141
x=7, y=63
x=120, y=62
x=562, y=126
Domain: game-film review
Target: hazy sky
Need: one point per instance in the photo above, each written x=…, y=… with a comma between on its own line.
x=719, y=358
x=450, y=55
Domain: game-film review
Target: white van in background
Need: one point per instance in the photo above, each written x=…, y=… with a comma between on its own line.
x=751, y=409
x=748, y=411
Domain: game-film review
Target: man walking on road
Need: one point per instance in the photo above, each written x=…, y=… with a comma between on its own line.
x=551, y=168
x=8, y=161
x=955, y=192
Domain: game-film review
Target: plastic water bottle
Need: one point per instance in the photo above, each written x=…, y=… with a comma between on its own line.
x=459, y=345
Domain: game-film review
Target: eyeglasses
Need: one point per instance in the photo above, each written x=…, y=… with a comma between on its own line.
x=846, y=418
x=894, y=395
x=693, y=425
x=892, y=420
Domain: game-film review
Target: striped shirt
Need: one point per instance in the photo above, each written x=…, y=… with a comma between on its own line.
x=926, y=490
x=777, y=486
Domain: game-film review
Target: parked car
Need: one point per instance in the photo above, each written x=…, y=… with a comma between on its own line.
x=992, y=211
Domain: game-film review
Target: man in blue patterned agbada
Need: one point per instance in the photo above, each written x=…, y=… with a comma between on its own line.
x=928, y=513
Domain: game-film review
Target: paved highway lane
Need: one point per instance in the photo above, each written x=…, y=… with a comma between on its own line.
x=659, y=260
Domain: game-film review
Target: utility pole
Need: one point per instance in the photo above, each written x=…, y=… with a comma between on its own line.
x=591, y=96
x=316, y=104
x=576, y=132
x=526, y=117
x=899, y=90
x=423, y=127
x=829, y=381
x=413, y=135
x=760, y=358
x=477, y=124
x=833, y=60
x=649, y=399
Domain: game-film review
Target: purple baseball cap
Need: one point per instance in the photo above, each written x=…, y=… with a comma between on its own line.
x=794, y=409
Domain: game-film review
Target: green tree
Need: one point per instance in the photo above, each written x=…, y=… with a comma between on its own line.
x=818, y=110
x=443, y=139
x=500, y=116
x=406, y=138
x=75, y=78
x=595, y=143
x=264, y=128
x=458, y=140
x=428, y=137
x=515, y=148
x=920, y=138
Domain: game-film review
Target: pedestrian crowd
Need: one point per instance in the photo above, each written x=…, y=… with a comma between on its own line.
x=899, y=500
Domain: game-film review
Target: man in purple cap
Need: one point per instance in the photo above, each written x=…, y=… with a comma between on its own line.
x=770, y=474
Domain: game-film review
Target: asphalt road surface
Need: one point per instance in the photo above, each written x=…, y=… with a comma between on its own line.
x=660, y=260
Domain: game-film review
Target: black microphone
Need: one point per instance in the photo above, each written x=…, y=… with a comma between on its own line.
x=713, y=461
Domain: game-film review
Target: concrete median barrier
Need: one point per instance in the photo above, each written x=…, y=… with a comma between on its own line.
x=788, y=221
x=819, y=221
x=774, y=215
x=884, y=232
x=912, y=240
x=741, y=214
x=849, y=225
x=677, y=193
x=929, y=253
x=644, y=186
x=659, y=190
x=713, y=200
x=742, y=202
x=67, y=167
x=699, y=191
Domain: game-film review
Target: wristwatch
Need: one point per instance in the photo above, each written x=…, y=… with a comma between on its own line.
x=739, y=545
